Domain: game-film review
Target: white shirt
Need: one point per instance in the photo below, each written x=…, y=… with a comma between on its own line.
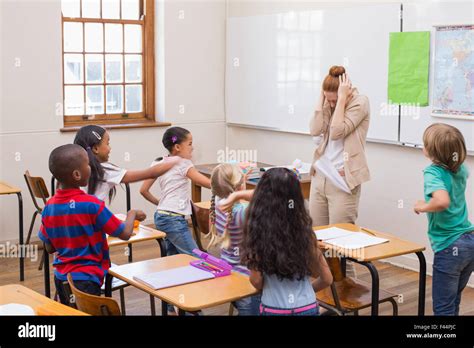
x=113, y=175
x=175, y=188
x=334, y=152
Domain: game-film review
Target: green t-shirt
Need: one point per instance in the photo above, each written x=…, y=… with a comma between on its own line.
x=446, y=226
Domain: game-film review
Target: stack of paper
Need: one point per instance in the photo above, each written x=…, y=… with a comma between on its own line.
x=347, y=239
x=173, y=277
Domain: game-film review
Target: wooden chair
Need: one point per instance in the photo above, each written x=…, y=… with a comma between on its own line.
x=349, y=295
x=200, y=221
x=38, y=190
x=93, y=305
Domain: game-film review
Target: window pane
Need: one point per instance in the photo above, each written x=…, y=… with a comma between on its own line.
x=94, y=37
x=111, y=9
x=113, y=38
x=114, y=99
x=94, y=100
x=72, y=37
x=73, y=100
x=133, y=68
x=133, y=38
x=71, y=8
x=133, y=98
x=90, y=8
x=130, y=9
x=94, y=68
x=73, y=67
x=113, y=68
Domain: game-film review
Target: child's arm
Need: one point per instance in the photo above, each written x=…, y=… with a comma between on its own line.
x=198, y=178
x=226, y=204
x=256, y=279
x=150, y=173
x=321, y=272
x=132, y=215
x=439, y=201
x=49, y=248
x=145, y=191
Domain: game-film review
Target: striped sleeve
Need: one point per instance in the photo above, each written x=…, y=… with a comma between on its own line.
x=43, y=235
x=108, y=222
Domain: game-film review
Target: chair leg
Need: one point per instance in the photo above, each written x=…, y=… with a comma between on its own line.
x=32, y=223
x=356, y=313
x=395, y=307
x=231, y=310
x=122, y=301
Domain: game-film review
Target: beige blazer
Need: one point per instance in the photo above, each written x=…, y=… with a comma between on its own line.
x=353, y=130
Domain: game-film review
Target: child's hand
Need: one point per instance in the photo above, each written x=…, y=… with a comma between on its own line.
x=227, y=203
x=419, y=205
x=140, y=215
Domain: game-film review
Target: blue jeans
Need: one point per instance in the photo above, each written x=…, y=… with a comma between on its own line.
x=87, y=286
x=452, y=268
x=178, y=236
x=310, y=312
x=249, y=305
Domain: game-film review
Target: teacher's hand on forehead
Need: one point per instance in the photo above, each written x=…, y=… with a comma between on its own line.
x=345, y=87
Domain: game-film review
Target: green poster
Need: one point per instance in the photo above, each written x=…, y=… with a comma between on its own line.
x=408, y=68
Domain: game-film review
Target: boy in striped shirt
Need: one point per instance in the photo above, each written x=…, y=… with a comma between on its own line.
x=74, y=224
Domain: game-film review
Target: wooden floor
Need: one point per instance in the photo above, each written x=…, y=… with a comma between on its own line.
x=394, y=279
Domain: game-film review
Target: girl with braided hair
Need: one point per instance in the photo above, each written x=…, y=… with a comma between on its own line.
x=226, y=225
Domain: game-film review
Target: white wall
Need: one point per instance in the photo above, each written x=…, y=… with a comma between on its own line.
x=396, y=171
x=29, y=126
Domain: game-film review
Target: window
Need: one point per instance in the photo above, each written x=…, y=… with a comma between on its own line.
x=108, y=61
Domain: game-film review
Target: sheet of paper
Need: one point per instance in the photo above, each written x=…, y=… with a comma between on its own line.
x=173, y=277
x=408, y=68
x=356, y=240
x=331, y=233
x=325, y=166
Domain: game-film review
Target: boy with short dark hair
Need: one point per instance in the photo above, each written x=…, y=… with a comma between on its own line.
x=75, y=224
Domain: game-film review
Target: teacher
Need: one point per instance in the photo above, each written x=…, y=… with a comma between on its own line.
x=339, y=127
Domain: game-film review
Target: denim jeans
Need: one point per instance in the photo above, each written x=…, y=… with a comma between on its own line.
x=452, y=268
x=178, y=236
x=249, y=305
x=87, y=286
x=310, y=312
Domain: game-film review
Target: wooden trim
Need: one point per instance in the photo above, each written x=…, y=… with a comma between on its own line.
x=149, y=59
x=148, y=71
x=145, y=124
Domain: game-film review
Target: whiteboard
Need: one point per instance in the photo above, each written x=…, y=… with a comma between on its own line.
x=423, y=17
x=275, y=65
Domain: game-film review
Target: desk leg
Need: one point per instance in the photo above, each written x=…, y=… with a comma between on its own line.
x=375, y=287
x=195, y=192
x=152, y=305
x=108, y=285
x=20, y=233
x=422, y=285
x=47, y=284
x=343, y=266
x=130, y=253
x=161, y=242
x=164, y=308
x=181, y=312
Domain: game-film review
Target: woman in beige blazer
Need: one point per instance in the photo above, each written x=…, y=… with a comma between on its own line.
x=340, y=123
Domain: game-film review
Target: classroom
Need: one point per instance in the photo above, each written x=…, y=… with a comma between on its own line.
x=237, y=158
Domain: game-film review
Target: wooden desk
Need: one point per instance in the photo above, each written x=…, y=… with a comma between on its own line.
x=142, y=234
x=188, y=297
x=206, y=169
x=394, y=247
x=7, y=189
x=14, y=293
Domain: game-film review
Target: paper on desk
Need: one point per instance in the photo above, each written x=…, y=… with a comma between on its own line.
x=325, y=166
x=16, y=309
x=331, y=233
x=356, y=240
x=173, y=277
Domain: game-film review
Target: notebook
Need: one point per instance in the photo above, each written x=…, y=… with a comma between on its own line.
x=347, y=239
x=173, y=277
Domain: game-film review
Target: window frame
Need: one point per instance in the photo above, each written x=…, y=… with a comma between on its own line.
x=147, y=9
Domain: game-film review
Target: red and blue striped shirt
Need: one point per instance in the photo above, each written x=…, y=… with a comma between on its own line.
x=76, y=224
